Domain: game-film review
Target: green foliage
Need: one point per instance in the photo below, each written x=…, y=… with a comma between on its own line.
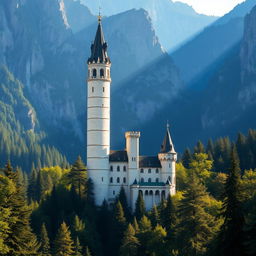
x=230, y=239
x=44, y=248
x=63, y=244
x=140, y=209
x=130, y=243
x=196, y=227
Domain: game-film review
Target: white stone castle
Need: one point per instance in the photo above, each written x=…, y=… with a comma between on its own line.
x=153, y=176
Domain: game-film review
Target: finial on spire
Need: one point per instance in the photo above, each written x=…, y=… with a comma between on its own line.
x=167, y=125
x=99, y=17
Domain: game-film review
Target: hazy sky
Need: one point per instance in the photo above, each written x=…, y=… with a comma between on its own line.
x=212, y=7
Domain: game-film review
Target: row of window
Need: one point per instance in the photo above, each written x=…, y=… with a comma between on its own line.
x=102, y=73
x=124, y=180
x=117, y=180
x=149, y=170
x=118, y=168
x=103, y=89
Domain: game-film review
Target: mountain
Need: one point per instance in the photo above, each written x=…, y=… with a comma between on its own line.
x=174, y=22
x=21, y=139
x=42, y=51
x=197, y=55
x=223, y=106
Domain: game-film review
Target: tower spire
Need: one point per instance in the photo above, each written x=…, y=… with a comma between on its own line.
x=167, y=145
x=99, y=16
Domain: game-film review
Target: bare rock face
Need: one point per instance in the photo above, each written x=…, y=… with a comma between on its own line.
x=247, y=95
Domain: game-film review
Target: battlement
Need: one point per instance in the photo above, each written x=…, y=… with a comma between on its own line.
x=132, y=134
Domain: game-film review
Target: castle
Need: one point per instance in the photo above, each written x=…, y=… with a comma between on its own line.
x=152, y=176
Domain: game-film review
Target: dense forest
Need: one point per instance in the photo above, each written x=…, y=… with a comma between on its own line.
x=52, y=212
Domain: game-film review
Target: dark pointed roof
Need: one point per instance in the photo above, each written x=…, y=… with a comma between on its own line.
x=99, y=47
x=167, y=145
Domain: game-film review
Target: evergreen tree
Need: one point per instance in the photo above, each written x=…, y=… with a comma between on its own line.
x=123, y=200
x=130, y=243
x=230, y=239
x=78, y=248
x=87, y=251
x=32, y=187
x=169, y=219
x=78, y=177
x=63, y=244
x=21, y=240
x=199, y=148
x=135, y=225
x=45, y=248
x=196, y=227
x=250, y=229
x=154, y=216
x=186, y=158
x=140, y=209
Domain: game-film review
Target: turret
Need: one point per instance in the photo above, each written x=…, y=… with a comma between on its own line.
x=98, y=116
x=168, y=158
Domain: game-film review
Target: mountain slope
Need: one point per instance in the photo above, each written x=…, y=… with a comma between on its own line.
x=174, y=22
x=201, y=52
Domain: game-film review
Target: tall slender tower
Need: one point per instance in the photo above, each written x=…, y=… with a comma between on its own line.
x=98, y=116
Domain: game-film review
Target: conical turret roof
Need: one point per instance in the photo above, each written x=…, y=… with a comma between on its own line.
x=99, y=47
x=167, y=145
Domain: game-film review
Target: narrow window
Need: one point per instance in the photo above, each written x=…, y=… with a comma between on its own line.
x=111, y=180
x=142, y=180
x=114, y=192
x=118, y=180
x=94, y=73
x=124, y=168
x=102, y=72
x=92, y=89
x=118, y=168
x=102, y=179
x=124, y=180
x=111, y=168
x=157, y=171
x=169, y=165
x=141, y=170
x=149, y=170
x=149, y=180
x=157, y=180
x=103, y=89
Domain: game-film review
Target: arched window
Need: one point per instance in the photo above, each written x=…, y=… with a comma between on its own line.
x=118, y=180
x=142, y=180
x=124, y=168
x=157, y=171
x=118, y=168
x=146, y=192
x=157, y=180
x=111, y=168
x=150, y=192
x=141, y=170
x=157, y=193
x=102, y=72
x=94, y=73
x=124, y=180
x=149, y=180
x=111, y=180
x=149, y=170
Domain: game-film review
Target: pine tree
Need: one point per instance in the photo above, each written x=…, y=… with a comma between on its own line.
x=63, y=245
x=169, y=219
x=186, y=158
x=199, y=148
x=87, y=251
x=196, y=227
x=130, y=243
x=135, y=225
x=154, y=216
x=123, y=200
x=78, y=177
x=140, y=209
x=21, y=240
x=32, y=188
x=250, y=229
x=78, y=248
x=45, y=248
x=230, y=239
